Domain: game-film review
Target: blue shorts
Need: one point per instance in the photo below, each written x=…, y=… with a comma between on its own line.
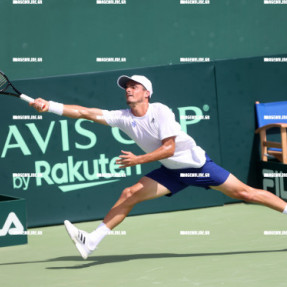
x=210, y=174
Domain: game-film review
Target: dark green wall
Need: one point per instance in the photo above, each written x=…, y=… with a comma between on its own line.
x=70, y=34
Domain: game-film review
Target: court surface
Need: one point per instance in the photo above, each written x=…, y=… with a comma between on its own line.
x=150, y=251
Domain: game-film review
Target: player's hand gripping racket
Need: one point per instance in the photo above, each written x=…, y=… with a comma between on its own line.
x=6, y=88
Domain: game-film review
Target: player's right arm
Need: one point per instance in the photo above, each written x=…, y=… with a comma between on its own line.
x=72, y=111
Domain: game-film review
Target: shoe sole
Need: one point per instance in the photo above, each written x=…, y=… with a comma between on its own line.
x=81, y=250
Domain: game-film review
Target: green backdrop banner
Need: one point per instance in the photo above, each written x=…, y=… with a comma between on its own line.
x=57, y=164
x=273, y=177
x=60, y=165
x=240, y=83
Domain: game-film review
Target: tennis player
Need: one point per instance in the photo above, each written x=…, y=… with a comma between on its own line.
x=154, y=128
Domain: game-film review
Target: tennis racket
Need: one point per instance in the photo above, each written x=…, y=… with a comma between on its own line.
x=6, y=88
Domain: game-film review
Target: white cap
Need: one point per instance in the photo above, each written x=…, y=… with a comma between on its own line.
x=122, y=82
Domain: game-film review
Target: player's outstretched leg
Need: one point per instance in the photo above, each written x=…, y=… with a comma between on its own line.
x=234, y=188
x=145, y=189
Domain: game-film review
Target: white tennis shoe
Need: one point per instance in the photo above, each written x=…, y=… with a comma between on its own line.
x=79, y=237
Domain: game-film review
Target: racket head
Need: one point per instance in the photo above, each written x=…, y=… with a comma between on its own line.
x=5, y=84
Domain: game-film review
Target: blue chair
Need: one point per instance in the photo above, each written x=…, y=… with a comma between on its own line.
x=272, y=116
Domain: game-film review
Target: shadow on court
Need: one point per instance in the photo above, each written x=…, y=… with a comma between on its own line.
x=100, y=260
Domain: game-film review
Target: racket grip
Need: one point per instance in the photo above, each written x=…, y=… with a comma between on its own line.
x=26, y=98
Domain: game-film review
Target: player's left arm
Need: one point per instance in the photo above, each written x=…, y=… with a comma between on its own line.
x=166, y=150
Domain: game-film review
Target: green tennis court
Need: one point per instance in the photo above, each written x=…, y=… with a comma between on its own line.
x=149, y=250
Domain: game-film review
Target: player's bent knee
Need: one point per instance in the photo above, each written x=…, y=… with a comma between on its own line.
x=126, y=193
x=130, y=194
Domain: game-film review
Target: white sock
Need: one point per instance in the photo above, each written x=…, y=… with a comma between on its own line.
x=97, y=236
x=285, y=210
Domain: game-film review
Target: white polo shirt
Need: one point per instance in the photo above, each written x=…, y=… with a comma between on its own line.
x=149, y=131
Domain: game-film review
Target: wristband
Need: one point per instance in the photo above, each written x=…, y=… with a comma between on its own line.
x=56, y=108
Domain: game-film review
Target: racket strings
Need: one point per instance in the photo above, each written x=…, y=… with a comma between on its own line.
x=3, y=82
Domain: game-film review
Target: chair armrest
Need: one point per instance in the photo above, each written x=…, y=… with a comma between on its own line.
x=266, y=127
